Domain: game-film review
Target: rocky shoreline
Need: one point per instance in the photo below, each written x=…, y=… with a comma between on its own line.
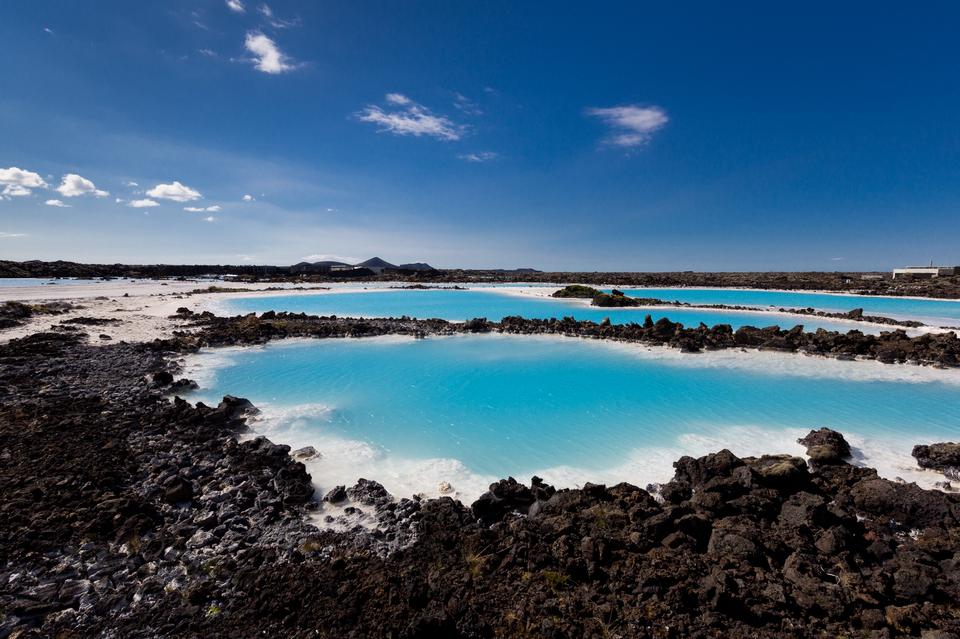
x=933, y=349
x=617, y=299
x=131, y=515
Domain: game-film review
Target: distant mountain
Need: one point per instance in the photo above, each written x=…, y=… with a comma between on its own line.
x=330, y=263
x=417, y=266
x=376, y=262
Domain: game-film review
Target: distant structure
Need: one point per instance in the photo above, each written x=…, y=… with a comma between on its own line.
x=924, y=272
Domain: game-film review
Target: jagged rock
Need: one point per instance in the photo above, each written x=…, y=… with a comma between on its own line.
x=825, y=446
x=504, y=497
x=942, y=457
x=369, y=492
x=336, y=495
x=236, y=407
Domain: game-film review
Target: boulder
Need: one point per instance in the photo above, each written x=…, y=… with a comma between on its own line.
x=695, y=472
x=505, y=496
x=943, y=457
x=904, y=503
x=236, y=407
x=336, y=495
x=825, y=446
x=369, y=492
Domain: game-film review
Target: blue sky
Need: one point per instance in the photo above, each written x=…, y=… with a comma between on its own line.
x=619, y=136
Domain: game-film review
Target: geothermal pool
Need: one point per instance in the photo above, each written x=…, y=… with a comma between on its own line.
x=470, y=409
x=456, y=305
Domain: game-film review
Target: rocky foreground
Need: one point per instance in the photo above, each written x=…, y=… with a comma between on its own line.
x=127, y=514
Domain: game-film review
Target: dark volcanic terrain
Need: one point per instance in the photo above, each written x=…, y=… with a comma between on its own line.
x=128, y=514
x=872, y=283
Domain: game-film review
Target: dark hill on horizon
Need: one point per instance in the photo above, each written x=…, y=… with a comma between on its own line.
x=376, y=262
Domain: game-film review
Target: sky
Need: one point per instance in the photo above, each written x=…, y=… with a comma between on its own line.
x=562, y=136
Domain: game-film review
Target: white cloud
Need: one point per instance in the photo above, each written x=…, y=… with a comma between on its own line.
x=248, y=198
x=19, y=182
x=73, y=185
x=326, y=257
x=13, y=234
x=398, y=98
x=236, y=5
x=410, y=119
x=268, y=56
x=631, y=125
x=480, y=156
x=57, y=203
x=15, y=190
x=210, y=53
x=175, y=191
x=200, y=209
x=274, y=21
x=130, y=183
x=210, y=218
x=142, y=204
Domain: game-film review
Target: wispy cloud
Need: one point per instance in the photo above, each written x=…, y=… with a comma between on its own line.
x=203, y=209
x=410, y=118
x=209, y=218
x=465, y=104
x=73, y=185
x=4, y=235
x=631, y=125
x=57, y=203
x=267, y=55
x=143, y=204
x=480, y=156
x=327, y=257
x=15, y=190
x=274, y=21
x=236, y=6
x=174, y=191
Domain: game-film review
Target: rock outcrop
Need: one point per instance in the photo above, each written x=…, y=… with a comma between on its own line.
x=942, y=457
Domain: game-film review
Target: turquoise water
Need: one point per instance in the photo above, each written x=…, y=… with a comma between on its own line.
x=938, y=312
x=468, y=409
x=463, y=305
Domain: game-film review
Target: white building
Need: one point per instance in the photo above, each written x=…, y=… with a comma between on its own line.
x=924, y=272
